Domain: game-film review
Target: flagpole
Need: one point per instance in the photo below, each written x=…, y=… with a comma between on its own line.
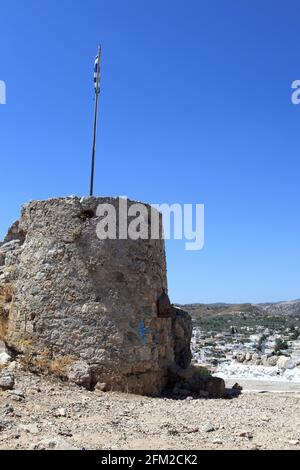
x=97, y=91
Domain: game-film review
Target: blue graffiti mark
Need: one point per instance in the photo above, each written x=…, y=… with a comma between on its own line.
x=143, y=332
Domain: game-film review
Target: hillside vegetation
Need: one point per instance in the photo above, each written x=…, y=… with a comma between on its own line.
x=221, y=317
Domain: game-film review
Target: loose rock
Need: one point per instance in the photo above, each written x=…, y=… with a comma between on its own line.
x=7, y=381
x=53, y=443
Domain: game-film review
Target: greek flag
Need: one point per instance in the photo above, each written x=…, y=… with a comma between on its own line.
x=96, y=68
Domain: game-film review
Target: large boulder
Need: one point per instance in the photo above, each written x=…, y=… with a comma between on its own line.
x=80, y=373
x=215, y=386
x=272, y=361
x=285, y=362
x=241, y=357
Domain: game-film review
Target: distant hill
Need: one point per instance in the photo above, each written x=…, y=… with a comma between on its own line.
x=283, y=308
x=220, y=309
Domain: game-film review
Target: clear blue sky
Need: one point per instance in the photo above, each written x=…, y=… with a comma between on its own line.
x=195, y=108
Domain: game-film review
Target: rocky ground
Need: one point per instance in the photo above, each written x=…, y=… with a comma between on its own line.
x=39, y=413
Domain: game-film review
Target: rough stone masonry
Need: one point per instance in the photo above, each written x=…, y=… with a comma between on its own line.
x=84, y=308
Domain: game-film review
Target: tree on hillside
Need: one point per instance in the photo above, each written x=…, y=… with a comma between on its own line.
x=280, y=345
x=261, y=342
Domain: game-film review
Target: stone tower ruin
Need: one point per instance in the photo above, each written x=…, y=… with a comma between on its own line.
x=84, y=308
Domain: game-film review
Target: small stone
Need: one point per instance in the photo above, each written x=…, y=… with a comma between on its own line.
x=53, y=443
x=61, y=412
x=247, y=434
x=17, y=398
x=217, y=441
x=11, y=366
x=101, y=386
x=29, y=428
x=293, y=442
x=237, y=386
x=8, y=409
x=3, y=347
x=208, y=428
x=65, y=432
x=7, y=381
x=18, y=392
x=3, y=424
x=33, y=390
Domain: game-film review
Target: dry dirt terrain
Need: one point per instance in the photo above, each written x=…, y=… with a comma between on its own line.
x=42, y=413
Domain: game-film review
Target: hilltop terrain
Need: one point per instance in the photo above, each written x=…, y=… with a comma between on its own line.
x=220, y=317
x=198, y=310
x=41, y=413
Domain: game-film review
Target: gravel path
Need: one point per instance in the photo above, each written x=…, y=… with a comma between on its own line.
x=54, y=415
